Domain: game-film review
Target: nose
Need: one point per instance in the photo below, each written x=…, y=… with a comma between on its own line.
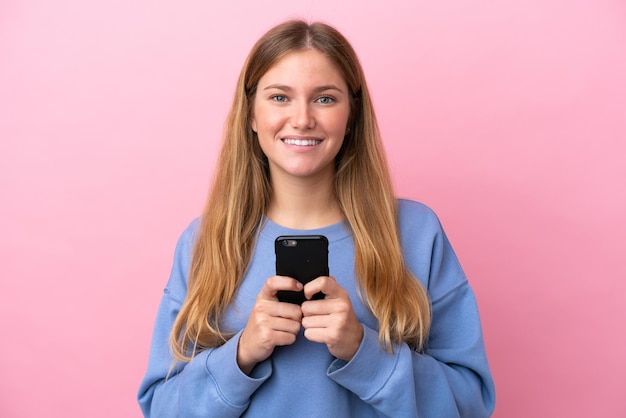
x=302, y=117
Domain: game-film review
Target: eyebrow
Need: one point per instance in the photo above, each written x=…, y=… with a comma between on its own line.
x=319, y=89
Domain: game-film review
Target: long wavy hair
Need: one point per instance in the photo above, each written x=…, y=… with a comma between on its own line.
x=240, y=197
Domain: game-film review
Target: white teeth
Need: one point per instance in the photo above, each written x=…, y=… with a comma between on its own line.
x=301, y=142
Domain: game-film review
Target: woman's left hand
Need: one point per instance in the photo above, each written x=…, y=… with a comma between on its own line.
x=331, y=320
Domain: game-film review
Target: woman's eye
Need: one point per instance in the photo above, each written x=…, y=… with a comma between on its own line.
x=279, y=98
x=325, y=100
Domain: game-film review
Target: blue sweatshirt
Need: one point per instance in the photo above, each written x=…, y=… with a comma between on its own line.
x=450, y=379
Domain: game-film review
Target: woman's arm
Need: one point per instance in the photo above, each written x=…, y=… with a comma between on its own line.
x=452, y=377
x=212, y=384
x=218, y=381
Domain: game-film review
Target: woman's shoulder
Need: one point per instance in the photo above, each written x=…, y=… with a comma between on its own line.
x=177, y=284
x=414, y=214
x=192, y=229
x=413, y=205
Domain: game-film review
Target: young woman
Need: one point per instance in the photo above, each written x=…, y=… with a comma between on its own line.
x=397, y=333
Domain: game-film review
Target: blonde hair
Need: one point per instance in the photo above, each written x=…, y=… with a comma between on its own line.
x=240, y=196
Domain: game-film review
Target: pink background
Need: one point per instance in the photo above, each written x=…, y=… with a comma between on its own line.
x=507, y=118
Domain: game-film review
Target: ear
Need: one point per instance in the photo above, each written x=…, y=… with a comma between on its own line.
x=253, y=123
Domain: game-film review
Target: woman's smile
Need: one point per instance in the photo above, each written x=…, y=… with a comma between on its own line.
x=302, y=142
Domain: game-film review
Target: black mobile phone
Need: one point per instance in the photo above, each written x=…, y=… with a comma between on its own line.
x=303, y=257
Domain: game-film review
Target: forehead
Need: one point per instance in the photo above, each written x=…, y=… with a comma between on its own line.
x=303, y=67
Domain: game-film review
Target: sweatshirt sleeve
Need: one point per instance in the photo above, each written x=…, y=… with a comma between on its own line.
x=452, y=377
x=210, y=385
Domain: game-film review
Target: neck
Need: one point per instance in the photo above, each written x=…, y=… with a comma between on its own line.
x=304, y=203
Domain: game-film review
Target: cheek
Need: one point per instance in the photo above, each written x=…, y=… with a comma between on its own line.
x=340, y=123
x=264, y=119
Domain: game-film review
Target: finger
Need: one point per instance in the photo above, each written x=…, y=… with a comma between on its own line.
x=335, y=308
x=284, y=338
x=325, y=284
x=276, y=283
x=332, y=337
x=315, y=321
x=271, y=332
x=317, y=335
x=318, y=307
x=285, y=325
x=341, y=343
x=274, y=309
x=261, y=335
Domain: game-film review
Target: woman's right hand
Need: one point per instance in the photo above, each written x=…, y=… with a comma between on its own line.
x=271, y=323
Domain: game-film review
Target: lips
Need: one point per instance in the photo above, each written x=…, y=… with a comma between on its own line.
x=301, y=142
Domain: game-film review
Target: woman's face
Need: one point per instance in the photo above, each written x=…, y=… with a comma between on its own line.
x=300, y=114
